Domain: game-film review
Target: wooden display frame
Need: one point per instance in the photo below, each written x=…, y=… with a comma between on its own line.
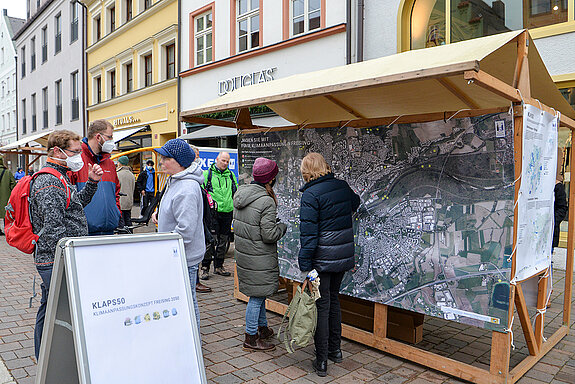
x=518, y=93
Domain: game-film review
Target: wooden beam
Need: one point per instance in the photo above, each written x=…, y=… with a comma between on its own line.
x=493, y=84
x=541, y=305
x=525, y=321
x=528, y=363
x=206, y=120
x=451, y=87
x=345, y=107
x=243, y=119
x=567, y=298
x=521, y=78
x=380, y=321
x=500, y=353
x=36, y=159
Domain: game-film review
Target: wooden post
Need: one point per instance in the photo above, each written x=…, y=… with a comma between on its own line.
x=380, y=321
x=570, y=244
x=500, y=353
x=541, y=303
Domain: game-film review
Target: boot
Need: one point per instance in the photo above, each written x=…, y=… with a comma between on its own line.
x=265, y=333
x=205, y=273
x=222, y=272
x=202, y=288
x=336, y=356
x=254, y=344
x=320, y=367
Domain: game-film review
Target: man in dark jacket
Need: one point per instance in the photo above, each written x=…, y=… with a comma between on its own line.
x=7, y=184
x=103, y=212
x=327, y=245
x=51, y=215
x=146, y=184
x=560, y=207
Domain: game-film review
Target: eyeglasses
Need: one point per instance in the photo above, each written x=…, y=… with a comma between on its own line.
x=74, y=152
x=106, y=136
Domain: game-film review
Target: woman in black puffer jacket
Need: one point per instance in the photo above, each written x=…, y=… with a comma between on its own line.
x=326, y=236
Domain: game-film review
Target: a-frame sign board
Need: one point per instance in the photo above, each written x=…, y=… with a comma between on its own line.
x=120, y=310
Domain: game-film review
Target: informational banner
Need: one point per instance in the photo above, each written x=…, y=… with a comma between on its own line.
x=535, y=203
x=434, y=230
x=208, y=157
x=131, y=313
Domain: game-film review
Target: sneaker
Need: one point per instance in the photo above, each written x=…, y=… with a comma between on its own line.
x=222, y=272
x=205, y=274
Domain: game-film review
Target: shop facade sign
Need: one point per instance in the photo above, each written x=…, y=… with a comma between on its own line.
x=233, y=83
x=126, y=120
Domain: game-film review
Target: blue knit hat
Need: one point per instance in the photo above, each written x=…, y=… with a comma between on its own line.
x=179, y=150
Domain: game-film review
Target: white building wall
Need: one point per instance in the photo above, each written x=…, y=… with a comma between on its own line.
x=58, y=66
x=7, y=84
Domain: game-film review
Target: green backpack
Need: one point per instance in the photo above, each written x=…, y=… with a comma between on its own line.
x=302, y=314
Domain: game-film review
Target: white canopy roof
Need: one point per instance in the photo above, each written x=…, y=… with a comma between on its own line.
x=39, y=138
x=415, y=82
x=124, y=134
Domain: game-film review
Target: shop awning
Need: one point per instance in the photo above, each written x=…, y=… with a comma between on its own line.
x=423, y=81
x=126, y=133
x=215, y=131
x=40, y=138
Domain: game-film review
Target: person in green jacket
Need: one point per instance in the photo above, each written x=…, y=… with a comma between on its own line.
x=7, y=184
x=257, y=231
x=221, y=184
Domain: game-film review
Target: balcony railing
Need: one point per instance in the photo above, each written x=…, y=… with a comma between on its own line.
x=45, y=119
x=44, y=53
x=33, y=62
x=74, y=30
x=75, y=109
x=58, y=46
x=58, y=114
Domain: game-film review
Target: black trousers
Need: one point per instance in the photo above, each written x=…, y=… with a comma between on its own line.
x=127, y=217
x=146, y=199
x=328, y=331
x=223, y=226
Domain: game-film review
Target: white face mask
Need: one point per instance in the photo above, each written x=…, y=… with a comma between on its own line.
x=75, y=163
x=108, y=146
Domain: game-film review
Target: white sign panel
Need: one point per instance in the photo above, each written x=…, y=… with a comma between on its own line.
x=136, y=313
x=536, y=199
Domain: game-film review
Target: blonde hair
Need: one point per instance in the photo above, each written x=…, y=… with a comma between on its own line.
x=314, y=166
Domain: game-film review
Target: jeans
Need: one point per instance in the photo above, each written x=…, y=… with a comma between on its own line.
x=256, y=315
x=193, y=273
x=223, y=226
x=45, y=272
x=328, y=331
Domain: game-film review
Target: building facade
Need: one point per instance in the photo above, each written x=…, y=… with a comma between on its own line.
x=228, y=44
x=49, y=71
x=8, y=26
x=132, y=69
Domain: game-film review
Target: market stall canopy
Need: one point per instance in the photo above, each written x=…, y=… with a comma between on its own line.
x=216, y=131
x=422, y=81
x=40, y=138
x=126, y=133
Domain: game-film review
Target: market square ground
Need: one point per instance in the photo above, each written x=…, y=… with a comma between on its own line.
x=222, y=319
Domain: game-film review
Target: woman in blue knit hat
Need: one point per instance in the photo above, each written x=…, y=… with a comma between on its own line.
x=181, y=207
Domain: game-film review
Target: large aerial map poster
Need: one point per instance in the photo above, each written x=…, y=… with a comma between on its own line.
x=434, y=230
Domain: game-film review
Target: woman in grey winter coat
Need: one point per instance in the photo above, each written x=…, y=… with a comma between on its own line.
x=256, y=231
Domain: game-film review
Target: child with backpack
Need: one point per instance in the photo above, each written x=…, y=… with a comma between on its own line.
x=257, y=232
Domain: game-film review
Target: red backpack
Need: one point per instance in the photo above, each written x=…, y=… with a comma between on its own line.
x=17, y=224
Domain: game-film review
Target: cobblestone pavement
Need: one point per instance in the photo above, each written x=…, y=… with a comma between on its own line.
x=222, y=328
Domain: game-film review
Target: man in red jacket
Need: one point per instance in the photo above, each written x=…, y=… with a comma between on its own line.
x=103, y=212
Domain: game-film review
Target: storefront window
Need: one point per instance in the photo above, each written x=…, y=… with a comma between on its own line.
x=438, y=22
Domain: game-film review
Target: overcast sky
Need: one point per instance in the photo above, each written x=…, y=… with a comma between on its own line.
x=16, y=8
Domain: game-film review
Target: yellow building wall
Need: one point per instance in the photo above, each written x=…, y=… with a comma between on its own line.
x=157, y=106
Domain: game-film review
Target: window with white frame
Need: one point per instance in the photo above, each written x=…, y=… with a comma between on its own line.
x=23, y=62
x=96, y=28
x=58, y=94
x=45, y=108
x=248, y=24
x=305, y=16
x=167, y=57
x=32, y=54
x=128, y=76
x=203, y=38
x=75, y=103
x=44, y=35
x=111, y=83
x=73, y=22
x=111, y=18
x=127, y=10
x=23, y=114
x=97, y=90
x=170, y=60
x=33, y=99
x=147, y=67
x=57, y=33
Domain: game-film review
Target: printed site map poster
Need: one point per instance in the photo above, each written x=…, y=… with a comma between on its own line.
x=435, y=227
x=535, y=203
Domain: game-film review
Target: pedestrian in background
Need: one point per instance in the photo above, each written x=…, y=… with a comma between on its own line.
x=51, y=215
x=19, y=174
x=127, y=185
x=327, y=245
x=257, y=232
x=146, y=185
x=103, y=212
x=560, y=207
x=30, y=171
x=221, y=185
x=181, y=207
x=7, y=184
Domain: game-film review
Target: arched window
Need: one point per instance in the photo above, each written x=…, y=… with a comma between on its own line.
x=437, y=22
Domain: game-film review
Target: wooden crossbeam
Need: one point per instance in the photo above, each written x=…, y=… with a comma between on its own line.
x=243, y=118
x=541, y=303
x=344, y=106
x=451, y=87
x=493, y=84
x=525, y=321
x=570, y=245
